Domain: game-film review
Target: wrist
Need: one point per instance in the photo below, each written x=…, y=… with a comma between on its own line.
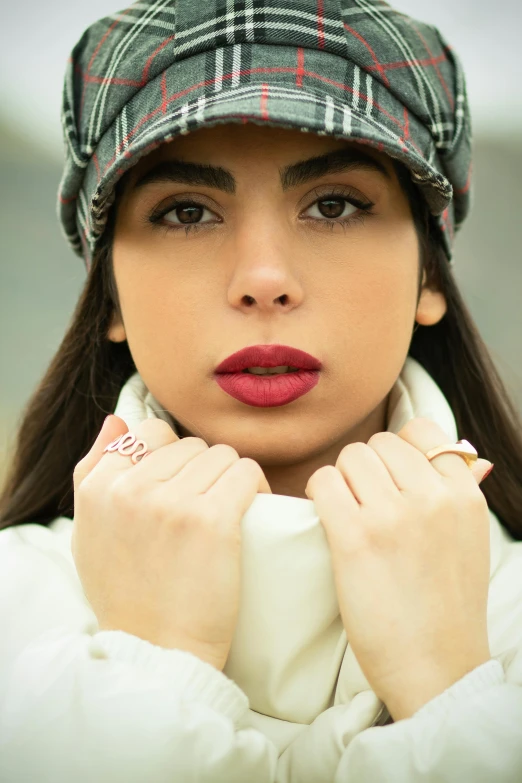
x=421, y=683
x=211, y=654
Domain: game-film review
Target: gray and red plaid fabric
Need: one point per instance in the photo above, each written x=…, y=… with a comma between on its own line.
x=353, y=69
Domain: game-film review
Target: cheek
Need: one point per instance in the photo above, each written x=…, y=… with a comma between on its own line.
x=376, y=281
x=162, y=310
x=375, y=304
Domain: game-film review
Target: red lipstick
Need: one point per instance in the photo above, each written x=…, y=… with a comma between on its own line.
x=266, y=391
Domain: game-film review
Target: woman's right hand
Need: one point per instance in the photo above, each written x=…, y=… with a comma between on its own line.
x=157, y=544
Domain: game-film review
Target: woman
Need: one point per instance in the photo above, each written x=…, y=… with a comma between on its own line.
x=275, y=561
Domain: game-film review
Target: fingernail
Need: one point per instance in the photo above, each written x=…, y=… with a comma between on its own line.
x=486, y=474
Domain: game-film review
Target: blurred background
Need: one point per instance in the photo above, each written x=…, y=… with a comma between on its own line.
x=40, y=278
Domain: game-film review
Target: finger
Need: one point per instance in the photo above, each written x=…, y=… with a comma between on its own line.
x=201, y=472
x=112, y=428
x=334, y=502
x=365, y=473
x=481, y=469
x=154, y=433
x=424, y=435
x=165, y=462
x=234, y=491
x=407, y=465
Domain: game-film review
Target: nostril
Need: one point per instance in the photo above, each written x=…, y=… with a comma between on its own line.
x=249, y=300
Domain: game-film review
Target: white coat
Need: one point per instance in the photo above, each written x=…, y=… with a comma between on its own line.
x=292, y=705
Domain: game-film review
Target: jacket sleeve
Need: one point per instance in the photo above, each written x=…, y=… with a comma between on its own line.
x=78, y=704
x=471, y=732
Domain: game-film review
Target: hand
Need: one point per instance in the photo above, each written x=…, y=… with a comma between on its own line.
x=157, y=544
x=409, y=540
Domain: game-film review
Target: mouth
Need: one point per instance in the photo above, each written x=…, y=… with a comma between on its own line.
x=268, y=375
x=273, y=358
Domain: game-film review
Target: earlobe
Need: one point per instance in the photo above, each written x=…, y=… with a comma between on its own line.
x=116, y=331
x=431, y=308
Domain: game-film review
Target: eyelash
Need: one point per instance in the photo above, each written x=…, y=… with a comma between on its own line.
x=364, y=206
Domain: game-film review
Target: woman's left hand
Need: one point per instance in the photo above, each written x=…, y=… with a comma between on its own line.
x=409, y=540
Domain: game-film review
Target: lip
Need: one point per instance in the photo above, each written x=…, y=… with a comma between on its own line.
x=269, y=356
x=268, y=391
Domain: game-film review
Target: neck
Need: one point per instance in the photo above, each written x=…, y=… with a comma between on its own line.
x=292, y=479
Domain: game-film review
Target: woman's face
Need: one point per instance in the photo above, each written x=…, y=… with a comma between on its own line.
x=321, y=258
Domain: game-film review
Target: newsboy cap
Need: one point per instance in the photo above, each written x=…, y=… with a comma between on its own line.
x=353, y=69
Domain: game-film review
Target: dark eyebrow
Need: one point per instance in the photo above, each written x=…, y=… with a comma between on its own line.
x=291, y=176
x=332, y=162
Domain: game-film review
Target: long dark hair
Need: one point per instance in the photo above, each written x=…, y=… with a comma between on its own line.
x=82, y=384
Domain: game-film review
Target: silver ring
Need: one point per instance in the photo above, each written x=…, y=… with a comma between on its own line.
x=129, y=446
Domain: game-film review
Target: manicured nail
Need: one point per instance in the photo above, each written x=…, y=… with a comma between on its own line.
x=486, y=474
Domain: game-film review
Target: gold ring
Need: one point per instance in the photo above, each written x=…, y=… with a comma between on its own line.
x=462, y=447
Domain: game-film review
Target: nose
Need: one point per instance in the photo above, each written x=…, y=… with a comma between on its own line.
x=265, y=277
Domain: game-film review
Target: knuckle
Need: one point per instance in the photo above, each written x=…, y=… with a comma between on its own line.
x=155, y=506
x=357, y=544
x=381, y=437
x=191, y=447
x=392, y=518
x=322, y=477
x=223, y=450
x=412, y=426
x=78, y=475
x=437, y=501
x=249, y=465
x=383, y=538
x=357, y=447
x=194, y=443
x=84, y=486
x=199, y=513
x=123, y=493
x=82, y=493
x=476, y=499
x=423, y=430
x=353, y=451
x=155, y=429
x=177, y=518
x=158, y=433
x=446, y=498
x=418, y=424
x=207, y=513
x=326, y=473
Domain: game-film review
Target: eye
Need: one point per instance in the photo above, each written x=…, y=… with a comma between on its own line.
x=338, y=206
x=332, y=207
x=185, y=213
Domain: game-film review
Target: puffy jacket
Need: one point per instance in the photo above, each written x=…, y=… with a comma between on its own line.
x=292, y=705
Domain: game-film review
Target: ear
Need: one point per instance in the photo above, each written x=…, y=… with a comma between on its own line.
x=116, y=330
x=432, y=305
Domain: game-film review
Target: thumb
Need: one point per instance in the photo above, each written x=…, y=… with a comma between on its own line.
x=111, y=429
x=481, y=469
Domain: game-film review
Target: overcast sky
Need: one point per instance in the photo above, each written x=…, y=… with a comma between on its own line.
x=36, y=38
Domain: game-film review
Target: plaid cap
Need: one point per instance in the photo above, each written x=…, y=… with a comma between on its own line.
x=352, y=69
